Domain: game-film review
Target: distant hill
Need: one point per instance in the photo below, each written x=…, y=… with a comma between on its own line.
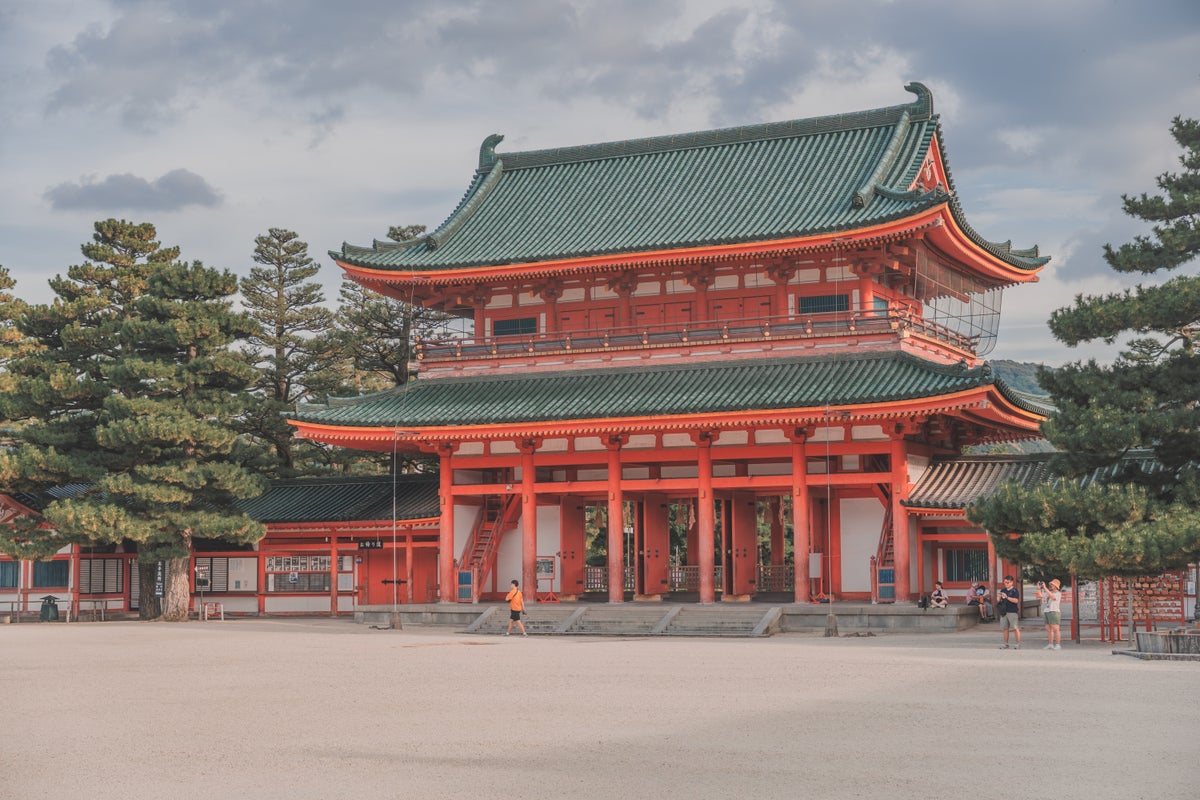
x=1020, y=375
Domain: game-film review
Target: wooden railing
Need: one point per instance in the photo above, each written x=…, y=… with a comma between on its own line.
x=776, y=578
x=824, y=325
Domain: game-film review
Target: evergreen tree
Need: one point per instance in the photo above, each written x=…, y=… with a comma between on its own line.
x=292, y=346
x=131, y=401
x=1134, y=521
x=13, y=343
x=377, y=333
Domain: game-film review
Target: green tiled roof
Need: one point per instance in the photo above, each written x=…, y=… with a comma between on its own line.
x=754, y=183
x=955, y=483
x=618, y=392
x=338, y=499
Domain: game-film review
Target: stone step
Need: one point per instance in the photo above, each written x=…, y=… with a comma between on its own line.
x=660, y=620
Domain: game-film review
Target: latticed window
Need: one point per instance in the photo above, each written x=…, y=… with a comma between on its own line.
x=51, y=573
x=966, y=565
x=824, y=303
x=524, y=326
x=101, y=576
x=9, y=570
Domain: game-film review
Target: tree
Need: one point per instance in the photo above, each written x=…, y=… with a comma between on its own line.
x=1134, y=520
x=132, y=401
x=376, y=333
x=374, y=336
x=292, y=346
x=13, y=344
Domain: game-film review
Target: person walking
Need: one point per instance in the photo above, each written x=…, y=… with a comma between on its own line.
x=516, y=607
x=1051, y=597
x=1008, y=609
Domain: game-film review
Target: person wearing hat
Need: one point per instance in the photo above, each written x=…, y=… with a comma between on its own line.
x=1051, y=597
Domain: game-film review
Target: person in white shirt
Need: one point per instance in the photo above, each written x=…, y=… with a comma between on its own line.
x=1051, y=597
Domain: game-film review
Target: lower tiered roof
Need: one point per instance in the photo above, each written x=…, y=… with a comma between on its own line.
x=869, y=382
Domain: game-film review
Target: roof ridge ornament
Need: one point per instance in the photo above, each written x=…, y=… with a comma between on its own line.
x=923, y=105
x=487, y=151
x=867, y=190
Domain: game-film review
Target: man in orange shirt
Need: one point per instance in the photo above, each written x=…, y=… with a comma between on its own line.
x=516, y=606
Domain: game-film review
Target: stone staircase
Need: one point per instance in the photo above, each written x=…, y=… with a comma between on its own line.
x=637, y=620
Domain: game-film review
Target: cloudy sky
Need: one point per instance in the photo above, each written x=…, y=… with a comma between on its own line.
x=219, y=120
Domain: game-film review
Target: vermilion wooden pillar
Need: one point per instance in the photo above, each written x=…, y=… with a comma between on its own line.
x=528, y=522
x=801, y=515
x=616, y=523
x=333, y=574
x=448, y=580
x=900, y=536
x=705, y=516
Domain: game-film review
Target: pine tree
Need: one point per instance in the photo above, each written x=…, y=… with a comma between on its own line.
x=13, y=344
x=292, y=346
x=1134, y=521
x=133, y=399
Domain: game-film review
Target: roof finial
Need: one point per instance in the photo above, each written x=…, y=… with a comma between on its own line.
x=923, y=105
x=487, y=151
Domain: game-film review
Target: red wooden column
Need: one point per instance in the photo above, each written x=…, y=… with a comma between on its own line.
x=900, y=519
x=801, y=514
x=705, y=517
x=448, y=580
x=333, y=574
x=528, y=521
x=409, y=589
x=262, y=581
x=616, y=521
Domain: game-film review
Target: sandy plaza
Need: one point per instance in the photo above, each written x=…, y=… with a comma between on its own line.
x=324, y=708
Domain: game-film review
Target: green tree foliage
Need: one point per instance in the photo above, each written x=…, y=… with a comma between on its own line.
x=130, y=402
x=1134, y=521
x=374, y=337
x=291, y=347
x=377, y=333
x=13, y=343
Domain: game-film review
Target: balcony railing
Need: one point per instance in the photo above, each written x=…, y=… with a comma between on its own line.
x=814, y=326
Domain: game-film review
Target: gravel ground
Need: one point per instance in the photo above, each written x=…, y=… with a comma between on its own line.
x=301, y=708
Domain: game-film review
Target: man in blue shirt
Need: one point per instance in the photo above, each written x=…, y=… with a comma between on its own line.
x=1008, y=609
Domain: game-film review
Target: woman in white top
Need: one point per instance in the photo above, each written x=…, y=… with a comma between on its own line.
x=1051, y=597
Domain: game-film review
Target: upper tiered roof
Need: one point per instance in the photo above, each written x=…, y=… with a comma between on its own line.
x=758, y=183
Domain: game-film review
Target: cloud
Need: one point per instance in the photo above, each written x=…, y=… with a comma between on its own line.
x=174, y=191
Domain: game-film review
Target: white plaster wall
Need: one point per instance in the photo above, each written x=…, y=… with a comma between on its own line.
x=282, y=605
x=465, y=518
x=862, y=521
x=732, y=439
x=868, y=433
x=916, y=467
